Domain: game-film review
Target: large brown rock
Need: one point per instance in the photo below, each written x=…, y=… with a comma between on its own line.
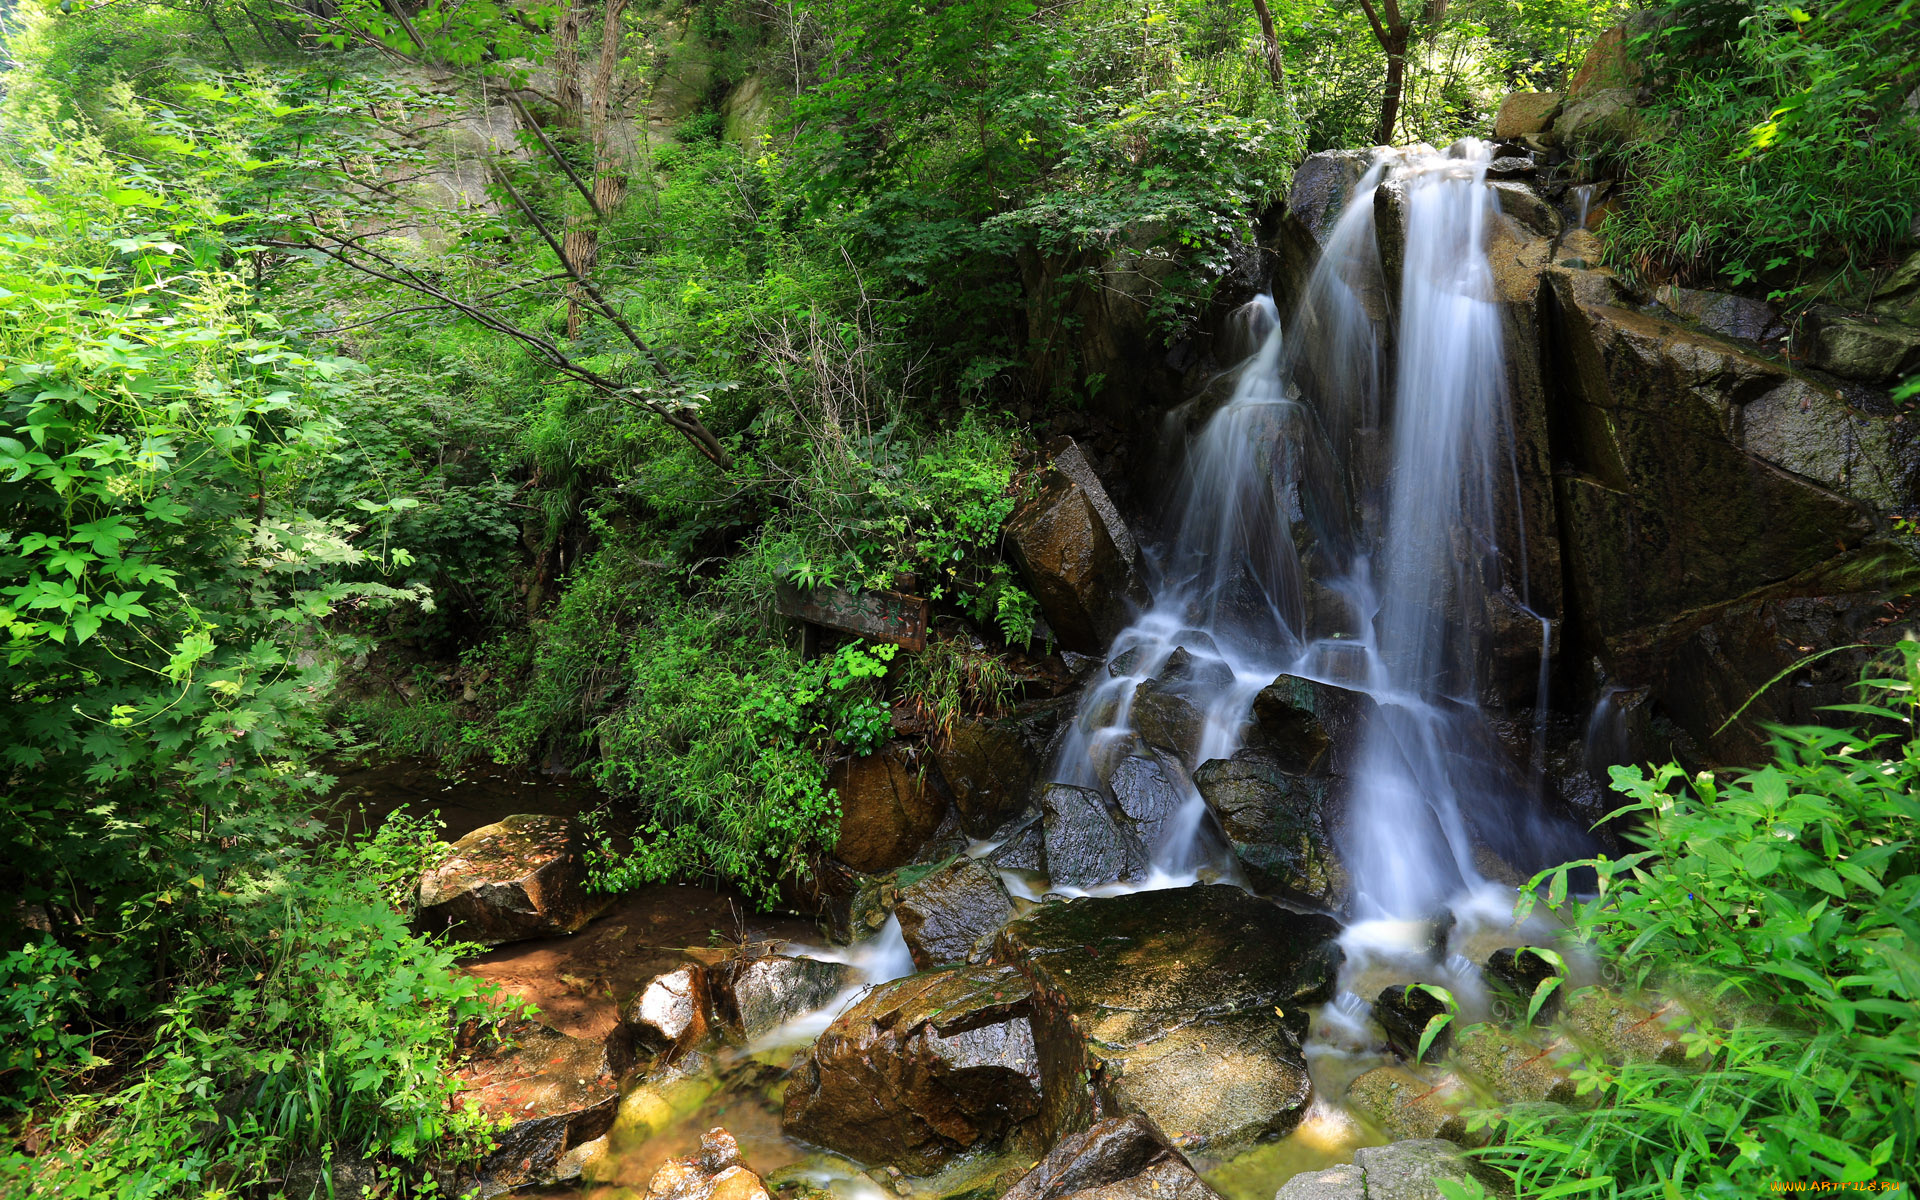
x=1524, y=113
x=948, y=913
x=1185, y=1006
x=1120, y=1158
x=524, y=877
x=1664, y=509
x=887, y=810
x=1608, y=63
x=921, y=1069
x=549, y=1092
x=990, y=766
x=1077, y=554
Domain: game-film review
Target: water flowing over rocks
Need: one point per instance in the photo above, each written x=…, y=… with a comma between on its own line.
x=1184, y=1006
x=1120, y=1158
x=921, y=1069
x=754, y=996
x=524, y=877
x=1077, y=554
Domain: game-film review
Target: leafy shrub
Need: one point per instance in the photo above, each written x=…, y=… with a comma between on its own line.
x=1723, y=188
x=1779, y=902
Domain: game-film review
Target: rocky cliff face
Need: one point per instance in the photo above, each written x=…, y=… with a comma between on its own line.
x=1701, y=504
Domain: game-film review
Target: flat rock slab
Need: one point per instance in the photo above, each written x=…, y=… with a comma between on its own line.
x=524, y=877
x=553, y=1092
x=921, y=1069
x=1185, y=1006
x=1120, y=1158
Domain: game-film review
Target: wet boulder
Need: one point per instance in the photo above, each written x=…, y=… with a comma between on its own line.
x=754, y=996
x=1406, y=1170
x=672, y=1014
x=1514, y=1070
x=1518, y=972
x=887, y=810
x=1522, y=205
x=715, y=1173
x=551, y=1092
x=1321, y=187
x=949, y=912
x=1120, y=1158
x=1150, y=789
x=1728, y=315
x=1086, y=842
x=1022, y=845
x=1078, y=556
x=1525, y=113
x=1600, y=121
x=1307, y=726
x=1404, y=1011
x=1279, y=824
x=921, y=1069
x=1404, y=1105
x=1185, y=1006
x=1869, y=348
x=524, y=877
x=1662, y=507
x=990, y=766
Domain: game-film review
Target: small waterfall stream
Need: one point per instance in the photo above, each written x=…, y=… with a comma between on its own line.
x=1336, y=519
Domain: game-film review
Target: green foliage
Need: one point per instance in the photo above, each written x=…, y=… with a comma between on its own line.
x=1780, y=901
x=1780, y=155
x=392, y=859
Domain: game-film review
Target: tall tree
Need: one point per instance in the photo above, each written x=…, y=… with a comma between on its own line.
x=1393, y=34
x=1270, y=45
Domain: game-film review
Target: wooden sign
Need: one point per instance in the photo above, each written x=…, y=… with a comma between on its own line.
x=875, y=615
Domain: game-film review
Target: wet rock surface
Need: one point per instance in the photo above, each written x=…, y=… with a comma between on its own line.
x=671, y=1014
x=1308, y=726
x=1513, y=1069
x=1404, y=1011
x=553, y=1092
x=990, y=766
x=715, y=1173
x=887, y=810
x=1163, y=1004
x=1404, y=1105
x=946, y=914
x=1718, y=312
x=921, y=1069
x=1120, y=1158
x=1086, y=842
x=1077, y=555
x=1405, y=1170
x=1321, y=186
x=523, y=877
x=1867, y=347
x=755, y=996
x=1150, y=789
x=1279, y=825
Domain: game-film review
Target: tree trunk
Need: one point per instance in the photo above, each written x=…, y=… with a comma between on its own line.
x=609, y=179
x=1270, y=45
x=1396, y=49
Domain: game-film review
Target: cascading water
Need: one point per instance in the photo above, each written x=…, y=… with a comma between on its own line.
x=1337, y=521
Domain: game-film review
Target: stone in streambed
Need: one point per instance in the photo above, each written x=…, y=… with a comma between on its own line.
x=921, y=1069
x=758, y=995
x=1413, y=1169
x=1086, y=843
x=1523, y=113
x=1308, y=726
x=1150, y=789
x=672, y=1014
x=948, y=913
x=1120, y=1158
x=1184, y=1006
x=1513, y=1070
x=1278, y=825
x=552, y=1092
x=523, y=877
x=1404, y=1012
x=1404, y=1105
x=715, y=1173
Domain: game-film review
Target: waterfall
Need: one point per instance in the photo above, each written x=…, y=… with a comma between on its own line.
x=1337, y=519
